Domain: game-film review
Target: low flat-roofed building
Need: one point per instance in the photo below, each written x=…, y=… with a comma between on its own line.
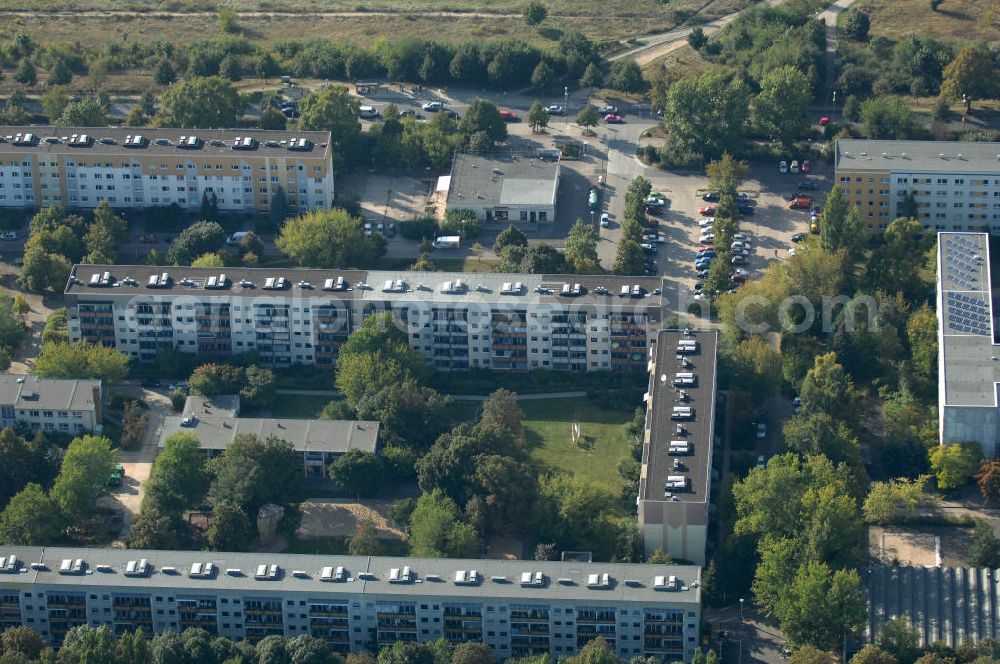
x=518, y=189
x=679, y=433
x=968, y=353
x=516, y=607
x=214, y=421
x=49, y=404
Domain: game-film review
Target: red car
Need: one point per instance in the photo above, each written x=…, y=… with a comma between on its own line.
x=611, y=118
x=806, y=166
x=801, y=203
x=708, y=211
x=509, y=116
x=824, y=121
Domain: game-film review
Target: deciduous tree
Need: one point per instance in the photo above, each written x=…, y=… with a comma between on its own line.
x=31, y=518
x=201, y=102
x=581, y=248
x=329, y=239
x=538, y=117
x=534, y=12
x=230, y=528
x=358, y=472
x=87, y=464
x=954, y=464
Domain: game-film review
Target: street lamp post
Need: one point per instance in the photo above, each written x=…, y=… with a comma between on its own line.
x=566, y=104
x=741, y=609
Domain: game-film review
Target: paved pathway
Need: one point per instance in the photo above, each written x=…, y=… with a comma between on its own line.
x=829, y=16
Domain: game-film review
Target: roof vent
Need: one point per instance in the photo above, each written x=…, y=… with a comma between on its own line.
x=666, y=583
x=333, y=574
x=190, y=143
x=80, y=141
x=338, y=284
x=26, y=139
x=404, y=575
x=9, y=565
x=267, y=572
x=245, y=143
x=466, y=578
x=599, y=581
x=136, y=141
x=137, y=568
x=202, y=571
x=73, y=567
x=534, y=579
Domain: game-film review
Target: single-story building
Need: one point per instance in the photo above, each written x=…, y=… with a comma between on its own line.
x=519, y=188
x=215, y=422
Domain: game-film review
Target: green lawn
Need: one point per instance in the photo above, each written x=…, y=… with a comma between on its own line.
x=295, y=405
x=548, y=426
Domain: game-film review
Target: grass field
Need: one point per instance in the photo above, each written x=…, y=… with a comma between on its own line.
x=548, y=423
x=307, y=407
x=960, y=20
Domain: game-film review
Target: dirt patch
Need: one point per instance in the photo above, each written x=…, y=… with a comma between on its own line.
x=322, y=517
x=920, y=545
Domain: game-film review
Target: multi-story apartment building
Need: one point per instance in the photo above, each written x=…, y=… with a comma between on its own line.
x=676, y=472
x=78, y=167
x=968, y=371
x=512, y=322
x=517, y=608
x=69, y=406
x=956, y=185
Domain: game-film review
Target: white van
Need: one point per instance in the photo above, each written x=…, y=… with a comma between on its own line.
x=367, y=112
x=237, y=237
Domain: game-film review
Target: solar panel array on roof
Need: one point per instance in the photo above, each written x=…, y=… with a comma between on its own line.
x=967, y=313
x=963, y=265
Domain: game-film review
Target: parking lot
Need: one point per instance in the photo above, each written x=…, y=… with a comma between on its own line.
x=770, y=228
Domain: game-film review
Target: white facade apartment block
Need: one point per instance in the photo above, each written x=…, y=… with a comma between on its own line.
x=297, y=316
x=80, y=167
x=517, y=608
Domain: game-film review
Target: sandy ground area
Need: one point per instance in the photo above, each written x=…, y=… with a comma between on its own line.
x=329, y=517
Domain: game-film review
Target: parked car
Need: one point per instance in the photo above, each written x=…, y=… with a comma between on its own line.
x=607, y=109
x=746, y=210
x=707, y=238
x=706, y=223
x=806, y=166
x=744, y=197
x=605, y=220
x=8, y=235
x=179, y=385
x=761, y=431
x=739, y=278
x=452, y=114
x=390, y=229
x=654, y=201
x=742, y=237
x=739, y=260
x=824, y=121
x=613, y=118
x=509, y=116
x=801, y=203
x=707, y=211
x=555, y=109
x=145, y=238
x=710, y=197
x=808, y=185
x=798, y=237
x=149, y=382
x=409, y=112
x=649, y=247
x=702, y=274
x=738, y=244
x=741, y=272
x=794, y=168
x=783, y=167
x=797, y=403
x=433, y=106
